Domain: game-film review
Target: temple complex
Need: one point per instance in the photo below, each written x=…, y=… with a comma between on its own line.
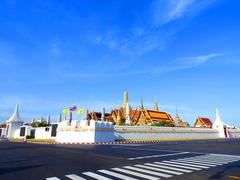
x=139, y=116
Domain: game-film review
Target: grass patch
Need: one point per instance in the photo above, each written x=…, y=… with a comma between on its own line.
x=40, y=140
x=16, y=139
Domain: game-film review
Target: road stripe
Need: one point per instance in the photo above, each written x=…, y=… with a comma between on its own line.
x=156, y=156
x=145, y=149
x=167, y=167
x=187, y=164
x=74, y=177
x=135, y=174
x=202, y=160
x=197, y=162
x=96, y=176
x=216, y=159
x=175, y=165
x=157, y=169
x=148, y=172
x=226, y=155
x=220, y=158
x=209, y=158
x=117, y=175
x=53, y=178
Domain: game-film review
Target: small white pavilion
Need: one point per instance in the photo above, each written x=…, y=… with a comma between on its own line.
x=13, y=124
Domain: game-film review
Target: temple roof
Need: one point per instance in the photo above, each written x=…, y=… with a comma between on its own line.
x=3, y=126
x=159, y=115
x=96, y=115
x=205, y=121
x=15, y=116
x=151, y=114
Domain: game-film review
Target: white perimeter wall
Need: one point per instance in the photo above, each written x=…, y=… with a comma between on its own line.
x=75, y=136
x=41, y=133
x=234, y=133
x=152, y=133
x=81, y=132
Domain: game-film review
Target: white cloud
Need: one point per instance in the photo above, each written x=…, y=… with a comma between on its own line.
x=140, y=39
x=197, y=60
x=187, y=62
x=166, y=11
x=175, y=65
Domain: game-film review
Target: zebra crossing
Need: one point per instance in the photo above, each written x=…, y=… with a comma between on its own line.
x=156, y=170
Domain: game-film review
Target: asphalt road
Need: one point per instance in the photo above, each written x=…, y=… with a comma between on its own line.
x=206, y=160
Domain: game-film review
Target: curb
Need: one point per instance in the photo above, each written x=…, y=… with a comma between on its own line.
x=139, y=142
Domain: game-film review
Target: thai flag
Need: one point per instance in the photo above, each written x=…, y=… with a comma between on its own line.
x=73, y=108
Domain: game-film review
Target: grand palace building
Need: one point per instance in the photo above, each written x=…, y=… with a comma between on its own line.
x=139, y=116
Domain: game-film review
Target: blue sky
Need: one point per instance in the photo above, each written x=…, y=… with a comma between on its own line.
x=54, y=54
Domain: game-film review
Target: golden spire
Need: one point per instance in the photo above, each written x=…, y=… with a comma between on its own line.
x=156, y=105
x=177, y=118
x=142, y=106
x=119, y=120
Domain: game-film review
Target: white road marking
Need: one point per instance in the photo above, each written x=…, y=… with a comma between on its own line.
x=175, y=165
x=74, y=177
x=204, y=161
x=158, y=169
x=96, y=176
x=203, y=157
x=187, y=164
x=226, y=155
x=135, y=174
x=167, y=167
x=220, y=158
x=229, y=157
x=145, y=149
x=155, y=156
x=153, y=171
x=197, y=162
x=215, y=159
x=158, y=150
x=117, y=175
x=148, y=172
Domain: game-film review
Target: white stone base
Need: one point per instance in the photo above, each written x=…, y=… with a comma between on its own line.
x=83, y=133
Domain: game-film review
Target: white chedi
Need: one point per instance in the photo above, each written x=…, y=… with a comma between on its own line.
x=219, y=125
x=15, y=116
x=13, y=124
x=128, y=118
